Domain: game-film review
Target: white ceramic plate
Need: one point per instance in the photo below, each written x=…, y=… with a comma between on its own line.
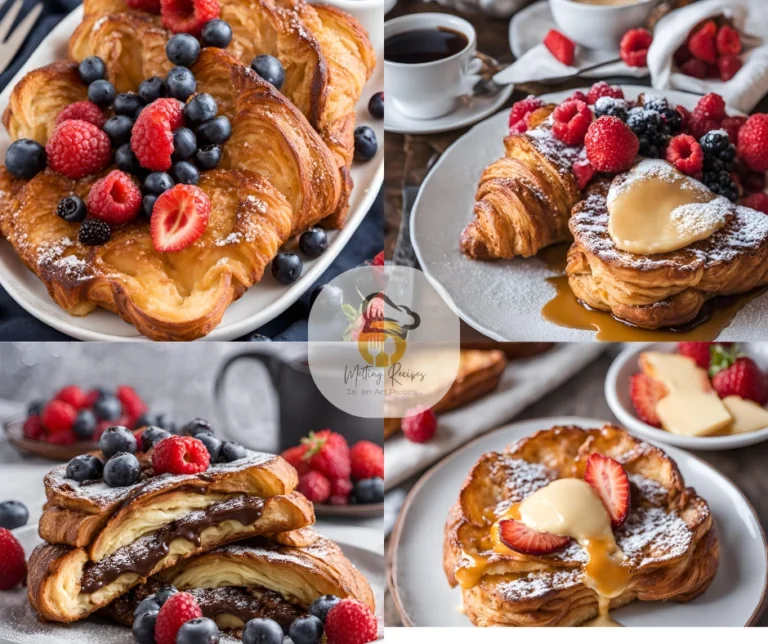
x=617, y=395
x=503, y=299
x=260, y=304
x=20, y=625
x=424, y=598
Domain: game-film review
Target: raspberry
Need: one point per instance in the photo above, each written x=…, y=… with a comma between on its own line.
x=518, y=115
x=728, y=66
x=180, y=455
x=378, y=259
x=579, y=96
x=571, y=120
x=419, y=425
x=728, y=41
x=367, y=461
x=754, y=181
x=152, y=136
x=150, y=6
x=58, y=416
x=711, y=106
x=350, y=622
x=33, y=428
x=702, y=42
x=634, y=47
x=78, y=148
x=695, y=68
x=295, y=456
x=315, y=487
x=685, y=115
x=73, y=395
x=753, y=142
x=611, y=146
x=598, y=90
x=700, y=125
x=177, y=610
x=560, y=47
x=685, y=153
x=63, y=438
x=342, y=487
x=82, y=111
x=114, y=199
x=732, y=125
x=338, y=500
x=583, y=171
x=133, y=405
x=757, y=201
x=682, y=55
x=328, y=453
x=188, y=16
x=13, y=566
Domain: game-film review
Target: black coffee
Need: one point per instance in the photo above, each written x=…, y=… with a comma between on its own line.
x=424, y=45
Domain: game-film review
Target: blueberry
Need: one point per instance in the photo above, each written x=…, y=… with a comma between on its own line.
x=286, y=268
x=365, y=143
x=147, y=604
x=217, y=33
x=182, y=49
x=94, y=232
x=262, y=631
x=85, y=467
x=258, y=337
x=148, y=205
x=212, y=444
x=208, y=157
x=200, y=630
x=270, y=69
x=117, y=439
x=91, y=69
x=231, y=451
x=13, y=514
x=138, y=111
x=107, y=407
x=118, y=129
x=85, y=424
x=217, y=130
x=126, y=160
x=127, y=104
x=197, y=426
x=184, y=172
x=152, y=89
x=334, y=296
x=121, y=470
x=157, y=420
x=322, y=605
x=715, y=142
x=370, y=490
x=184, y=144
x=376, y=105
x=180, y=83
x=157, y=183
x=151, y=436
x=35, y=408
x=25, y=158
x=313, y=242
x=101, y=92
x=72, y=209
x=162, y=595
x=200, y=109
x=144, y=627
x=306, y=630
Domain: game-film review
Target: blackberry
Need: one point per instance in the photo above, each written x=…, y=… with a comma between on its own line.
x=651, y=131
x=674, y=120
x=94, y=232
x=719, y=162
x=656, y=104
x=609, y=106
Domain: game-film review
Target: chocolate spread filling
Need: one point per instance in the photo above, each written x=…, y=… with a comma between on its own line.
x=143, y=555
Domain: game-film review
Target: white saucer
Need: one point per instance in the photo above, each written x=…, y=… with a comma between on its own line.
x=423, y=597
x=617, y=395
x=468, y=113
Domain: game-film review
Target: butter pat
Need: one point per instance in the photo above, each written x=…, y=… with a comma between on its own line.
x=747, y=415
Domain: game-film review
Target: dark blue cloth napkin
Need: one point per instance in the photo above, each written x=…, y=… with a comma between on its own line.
x=18, y=325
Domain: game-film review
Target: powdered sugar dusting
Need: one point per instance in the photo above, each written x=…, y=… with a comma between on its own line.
x=653, y=535
x=537, y=584
x=522, y=479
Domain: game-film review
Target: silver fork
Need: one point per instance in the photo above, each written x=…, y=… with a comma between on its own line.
x=9, y=46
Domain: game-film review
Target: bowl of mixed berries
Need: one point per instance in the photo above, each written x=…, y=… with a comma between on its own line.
x=73, y=420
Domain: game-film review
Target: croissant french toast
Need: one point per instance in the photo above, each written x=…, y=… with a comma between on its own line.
x=101, y=540
x=668, y=539
x=276, y=577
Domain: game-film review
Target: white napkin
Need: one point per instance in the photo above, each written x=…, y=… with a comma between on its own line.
x=523, y=383
x=750, y=84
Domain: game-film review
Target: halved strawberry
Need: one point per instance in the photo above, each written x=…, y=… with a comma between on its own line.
x=609, y=480
x=179, y=218
x=519, y=537
x=645, y=393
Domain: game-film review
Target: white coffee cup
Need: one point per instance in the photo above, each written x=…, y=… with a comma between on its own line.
x=430, y=90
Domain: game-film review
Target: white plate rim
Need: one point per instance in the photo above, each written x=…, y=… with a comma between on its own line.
x=636, y=426
x=579, y=421
x=70, y=325
x=465, y=315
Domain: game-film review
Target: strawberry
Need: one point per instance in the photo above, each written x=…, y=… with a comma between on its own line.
x=645, y=393
x=609, y=480
x=420, y=424
x=734, y=374
x=701, y=42
x=72, y=395
x=13, y=566
x=295, y=456
x=560, y=47
x=367, y=460
x=328, y=453
x=699, y=351
x=179, y=218
x=519, y=537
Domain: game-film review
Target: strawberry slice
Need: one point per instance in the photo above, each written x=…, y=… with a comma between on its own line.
x=179, y=218
x=645, y=393
x=519, y=537
x=609, y=479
